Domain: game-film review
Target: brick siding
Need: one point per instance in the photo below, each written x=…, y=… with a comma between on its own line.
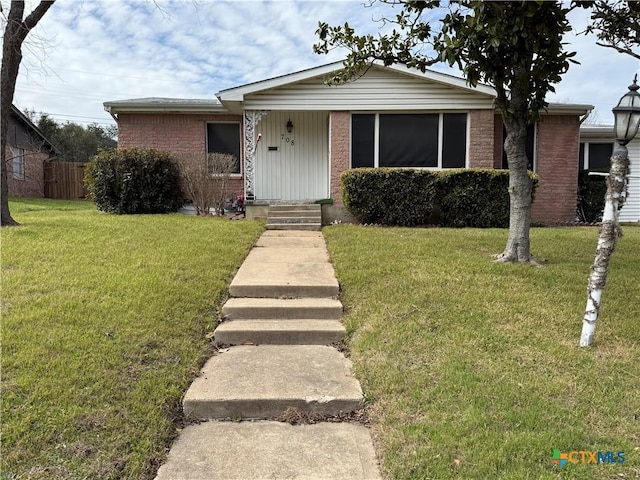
x=557, y=168
x=33, y=183
x=340, y=131
x=481, y=139
x=174, y=133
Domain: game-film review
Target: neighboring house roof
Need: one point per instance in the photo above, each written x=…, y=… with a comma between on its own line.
x=31, y=127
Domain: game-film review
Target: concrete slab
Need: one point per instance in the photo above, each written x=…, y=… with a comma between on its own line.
x=271, y=450
x=265, y=255
x=315, y=227
x=278, y=280
x=263, y=381
x=282, y=308
x=288, y=242
x=279, y=332
x=291, y=233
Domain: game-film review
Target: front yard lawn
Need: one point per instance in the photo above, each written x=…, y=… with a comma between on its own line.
x=472, y=369
x=104, y=324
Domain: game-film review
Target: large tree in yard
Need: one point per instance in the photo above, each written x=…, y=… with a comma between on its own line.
x=516, y=47
x=16, y=30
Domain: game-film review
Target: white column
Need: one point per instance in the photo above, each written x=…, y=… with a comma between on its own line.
x=251, y=120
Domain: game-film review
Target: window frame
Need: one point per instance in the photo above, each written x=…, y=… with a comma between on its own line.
x=17, y=153
x=376, y=137
x=240, y=145
x=586, y=151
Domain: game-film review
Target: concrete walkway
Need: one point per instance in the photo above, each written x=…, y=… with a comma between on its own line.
x=279, y=326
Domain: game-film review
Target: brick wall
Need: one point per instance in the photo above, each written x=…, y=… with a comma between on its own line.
x=481, y=138
x=33, y=183
x=340, y=130
x=557, y=168
x=173, y=133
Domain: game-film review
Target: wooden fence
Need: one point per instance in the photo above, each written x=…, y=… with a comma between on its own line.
x=64, y=180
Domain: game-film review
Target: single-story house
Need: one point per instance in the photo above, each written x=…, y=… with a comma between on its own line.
x=596, y=146
x=294, y=135
x=27, y=151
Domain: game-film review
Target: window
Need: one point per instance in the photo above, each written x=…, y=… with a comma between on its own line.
x=434, y=140
x=224, y=138
x=595, y=156
x=530, y=148
x=17, y=155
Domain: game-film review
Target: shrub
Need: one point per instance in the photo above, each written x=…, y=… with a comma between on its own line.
x=591, y=197
x=389, y=196
x=407, y=197
x=475, y=197
x=134, y=180
x=207, y=182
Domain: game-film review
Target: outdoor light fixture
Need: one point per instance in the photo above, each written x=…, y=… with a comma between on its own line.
x=627, y=114
x=627, y=120
x=290, y=124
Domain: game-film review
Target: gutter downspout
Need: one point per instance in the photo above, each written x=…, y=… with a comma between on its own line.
x=585, y=116
x=108, y=109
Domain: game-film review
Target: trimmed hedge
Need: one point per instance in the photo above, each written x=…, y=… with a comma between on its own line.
x=389, y=196
x=134, y=180
x=451, y=198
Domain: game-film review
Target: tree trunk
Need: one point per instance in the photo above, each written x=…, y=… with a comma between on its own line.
x=15, y=32
x=609, y=232
x=518, y=243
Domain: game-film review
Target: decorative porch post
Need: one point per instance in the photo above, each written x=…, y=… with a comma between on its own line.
x=251, y=120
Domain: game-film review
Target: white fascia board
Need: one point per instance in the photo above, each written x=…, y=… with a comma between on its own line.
x=168, y=106
x=237, y=94
x=597, y=132
x=567, y=109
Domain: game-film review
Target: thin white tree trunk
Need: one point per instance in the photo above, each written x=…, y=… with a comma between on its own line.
x=609, y=232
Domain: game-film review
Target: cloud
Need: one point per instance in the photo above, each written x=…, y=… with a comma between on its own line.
x=95, y=51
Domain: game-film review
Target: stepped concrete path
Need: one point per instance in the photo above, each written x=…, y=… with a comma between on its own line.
x=277, y=332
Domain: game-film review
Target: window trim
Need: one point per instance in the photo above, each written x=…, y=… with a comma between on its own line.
x=376, y=136
x=206, y=142
x=586, y=143
x=18, y=153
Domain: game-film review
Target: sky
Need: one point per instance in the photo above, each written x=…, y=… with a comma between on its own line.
x=86, y=52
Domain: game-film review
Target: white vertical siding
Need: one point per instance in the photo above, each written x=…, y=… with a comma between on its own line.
x=631, y=210
x=299, y=168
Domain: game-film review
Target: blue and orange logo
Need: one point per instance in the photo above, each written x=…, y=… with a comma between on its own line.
x=583, y=456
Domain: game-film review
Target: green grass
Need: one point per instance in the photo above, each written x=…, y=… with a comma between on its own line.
x=472, y=369
x=104, y=325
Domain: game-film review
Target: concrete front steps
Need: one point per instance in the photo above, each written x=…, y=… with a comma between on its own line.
x=294, y=321
x=262, y=382
x=294, y=217
x=286, y=319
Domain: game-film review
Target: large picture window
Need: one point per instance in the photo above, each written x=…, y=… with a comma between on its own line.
x=224, y=138
x=433, y=140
